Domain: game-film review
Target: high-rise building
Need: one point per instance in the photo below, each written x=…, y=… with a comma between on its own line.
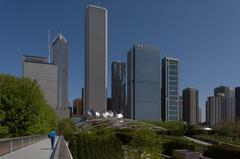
x=170, y=89
x=180, y=108
x=237, y=100
x=95, y=58
x=214, y=109
x=191, y=106
x=38, y=68
x=77, y=107
x=143, y=83
x=60, y=58
x=228, y=103
x=119, y=87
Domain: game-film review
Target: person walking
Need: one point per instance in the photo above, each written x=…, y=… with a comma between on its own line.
x=52, y=135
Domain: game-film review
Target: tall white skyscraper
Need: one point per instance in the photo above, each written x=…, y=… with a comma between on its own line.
x=95, y=58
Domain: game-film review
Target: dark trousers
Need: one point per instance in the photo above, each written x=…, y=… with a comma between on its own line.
x=52, y=142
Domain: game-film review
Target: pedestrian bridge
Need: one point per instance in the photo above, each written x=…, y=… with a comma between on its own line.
x=34, y=147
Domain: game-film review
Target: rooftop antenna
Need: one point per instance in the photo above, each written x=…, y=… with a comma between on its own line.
x=49, y=47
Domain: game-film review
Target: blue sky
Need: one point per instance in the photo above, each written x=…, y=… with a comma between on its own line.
x=203, y=34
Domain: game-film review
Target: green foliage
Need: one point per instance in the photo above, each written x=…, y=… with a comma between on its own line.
x=96, y=145
x=174, y=128
x=173, y=143
x=219, y=152
x=23, y=110
x=146, y=141
x=67, y=128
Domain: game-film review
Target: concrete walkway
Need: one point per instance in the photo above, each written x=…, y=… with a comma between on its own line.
x=40, y=150
x=198, y=141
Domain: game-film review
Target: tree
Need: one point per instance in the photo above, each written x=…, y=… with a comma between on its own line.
x=144, y=140
x=22, y=106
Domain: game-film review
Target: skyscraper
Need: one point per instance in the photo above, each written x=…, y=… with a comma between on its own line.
x=228, y=103
x=191, y=106
x=60, y=58
x=214, y=109
x=95, y=58
x=77, y=107
x=119, y=87
x=180, y=108
x=143, y=83
x=38, y=68
x=237, y=100
x=170, y=89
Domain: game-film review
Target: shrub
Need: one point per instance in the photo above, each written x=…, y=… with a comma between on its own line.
x=67, y=128
x=171, y=144
x=96, y=145
x=219, y=152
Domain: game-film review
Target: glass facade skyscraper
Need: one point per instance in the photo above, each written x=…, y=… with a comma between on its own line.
x=143, y=83
x=60, y=58
x=170, y=89
x=119, y=87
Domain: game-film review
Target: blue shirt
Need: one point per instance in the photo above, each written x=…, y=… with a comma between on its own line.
x=52, y=134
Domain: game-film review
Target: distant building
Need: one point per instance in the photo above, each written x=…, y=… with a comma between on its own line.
x=180, y=108
x=96, y=45
x=109, y=104
x=119, y=87
x=237, y=100
x=143, y=83
x=214, y=109
x=221, y=107
x=60, y=58
x=191, y=106
x=77, y=107
x=200, y=115
x=228, y=105
x=38, y=68
x=170, y=89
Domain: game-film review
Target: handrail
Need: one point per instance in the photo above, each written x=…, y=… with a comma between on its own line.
x=9, y=145
x=61, y=151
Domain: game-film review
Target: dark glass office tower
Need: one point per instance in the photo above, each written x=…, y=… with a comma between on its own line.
x=143, y=83
x=170, y=89
x=237, y=100
x=119, y=87
x=60, y=58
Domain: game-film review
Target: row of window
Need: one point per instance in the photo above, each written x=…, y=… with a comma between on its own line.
x=148, y=82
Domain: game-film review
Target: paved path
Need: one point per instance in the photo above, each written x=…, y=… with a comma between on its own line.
x=198, y=141
x=39, y=150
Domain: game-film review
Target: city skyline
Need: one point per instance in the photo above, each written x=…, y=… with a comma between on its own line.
x=190, y=53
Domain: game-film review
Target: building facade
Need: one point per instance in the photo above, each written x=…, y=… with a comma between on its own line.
x=119, y=87
x=143, y=83
x=237, y=103
x=38, y=68
x=96, y=45
x=180, y=108
x=214, y=109
x=77, y=107
x=170, y=89
x=228, y=103
x=60, y=58
x=191, y=106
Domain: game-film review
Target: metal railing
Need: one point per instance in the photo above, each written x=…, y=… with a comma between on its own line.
x=11, y=144
x=61, y=150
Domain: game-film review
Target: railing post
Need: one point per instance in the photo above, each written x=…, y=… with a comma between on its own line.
x=11, y=146
x=22, y=142
x=34, y=139
x=28, y=140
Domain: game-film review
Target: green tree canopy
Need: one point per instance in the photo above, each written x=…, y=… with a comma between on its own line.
x=23, y=109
